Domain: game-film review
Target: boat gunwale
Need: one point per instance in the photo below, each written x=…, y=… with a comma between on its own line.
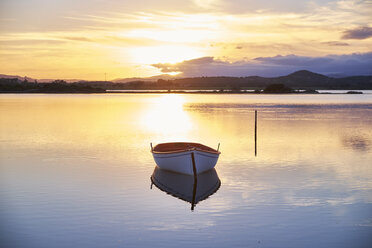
x=212, y=151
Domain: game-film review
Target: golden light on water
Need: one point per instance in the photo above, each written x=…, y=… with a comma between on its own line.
x=166, y=117
x=117, y=125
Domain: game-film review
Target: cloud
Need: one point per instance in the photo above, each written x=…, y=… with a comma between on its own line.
x=207, y=4
x=77, y=39
x=349, y=64
x=123, y=36
x=360, y=33
x=335, y=43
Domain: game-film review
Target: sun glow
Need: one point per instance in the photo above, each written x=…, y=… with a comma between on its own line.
x=166, y=117
x=164, y=54
x=125, y=40
x=179, y=35
x=173, y=73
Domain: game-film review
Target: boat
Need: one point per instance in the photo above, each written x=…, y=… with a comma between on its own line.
x=189, y=188
x=185, y=157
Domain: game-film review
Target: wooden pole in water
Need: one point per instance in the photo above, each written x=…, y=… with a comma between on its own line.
x=152, y=149
x=255, y=133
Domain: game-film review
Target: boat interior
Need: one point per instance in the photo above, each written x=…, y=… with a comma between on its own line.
x=181, y=146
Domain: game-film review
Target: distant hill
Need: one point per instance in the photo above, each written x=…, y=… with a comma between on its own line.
x=303, y=79
x=29, y=79
x=17, y=77
x=297, y=80
x=147, y=79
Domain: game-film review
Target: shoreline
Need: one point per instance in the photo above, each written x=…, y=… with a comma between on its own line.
x=349, y=92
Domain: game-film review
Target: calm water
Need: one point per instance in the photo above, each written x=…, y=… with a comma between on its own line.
x=75, y=171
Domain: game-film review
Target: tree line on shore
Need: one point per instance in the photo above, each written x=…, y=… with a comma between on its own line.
x=58, y=86
x=301, y=80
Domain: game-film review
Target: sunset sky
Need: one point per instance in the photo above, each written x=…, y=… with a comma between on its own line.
x=71, y=39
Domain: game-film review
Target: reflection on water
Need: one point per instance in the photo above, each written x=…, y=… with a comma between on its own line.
x=192, y=189
x=74, y=170
x=166, y=116
x=357, y=142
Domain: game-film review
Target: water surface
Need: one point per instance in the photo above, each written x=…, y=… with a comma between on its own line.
x=75, y=170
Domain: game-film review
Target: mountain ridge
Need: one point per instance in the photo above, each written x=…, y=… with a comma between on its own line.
x=302, y=79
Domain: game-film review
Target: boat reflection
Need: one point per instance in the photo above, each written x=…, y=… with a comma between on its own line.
x=189, y=188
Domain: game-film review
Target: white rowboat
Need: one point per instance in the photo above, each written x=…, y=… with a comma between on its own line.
x=184, y=157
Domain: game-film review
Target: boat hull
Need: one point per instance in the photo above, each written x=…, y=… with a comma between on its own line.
x=182, y=162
